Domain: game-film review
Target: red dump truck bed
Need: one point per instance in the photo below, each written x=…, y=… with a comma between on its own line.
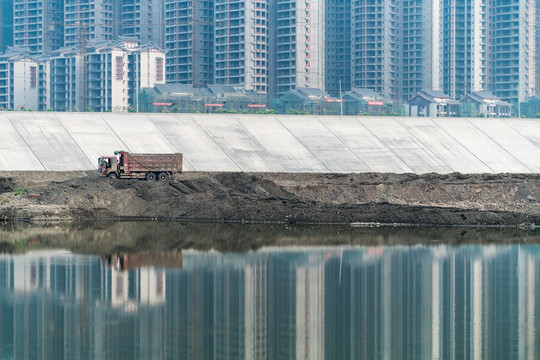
x=145, y=163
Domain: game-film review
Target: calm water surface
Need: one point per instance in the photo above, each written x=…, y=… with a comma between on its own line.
x=427, y=300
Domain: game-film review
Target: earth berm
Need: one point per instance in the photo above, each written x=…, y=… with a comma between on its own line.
x=363, y=198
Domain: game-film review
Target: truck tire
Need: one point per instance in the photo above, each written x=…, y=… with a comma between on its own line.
x=150, y=176
x=163, y=176
x=112, y=176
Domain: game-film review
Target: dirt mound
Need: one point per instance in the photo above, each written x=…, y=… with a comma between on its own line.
x=503, y=199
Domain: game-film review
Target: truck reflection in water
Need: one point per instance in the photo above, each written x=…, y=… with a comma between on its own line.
x=126, y=261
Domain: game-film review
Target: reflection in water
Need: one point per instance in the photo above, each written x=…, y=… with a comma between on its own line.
x=419, y=302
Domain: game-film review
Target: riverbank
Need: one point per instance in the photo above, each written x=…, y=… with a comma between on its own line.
x=429, y=199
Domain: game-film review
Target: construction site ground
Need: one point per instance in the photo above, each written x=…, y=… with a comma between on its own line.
x=361, y=198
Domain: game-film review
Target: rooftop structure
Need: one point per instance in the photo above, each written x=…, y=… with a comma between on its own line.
x=488, y=105
x=433, y=103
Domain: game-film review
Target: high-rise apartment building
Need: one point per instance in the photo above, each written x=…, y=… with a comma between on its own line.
x=38, y=25
x=465, y=43
x=514, y=55
x=189, y=41
x=6, y=24
x=375, y=46
x=420, y=47
x=241, y=44
x=143, y=19
x=337, y=47
x=296, y=45
x=94, y=17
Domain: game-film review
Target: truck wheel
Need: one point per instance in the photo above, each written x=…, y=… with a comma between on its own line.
x=112, y=176
x=150, y=176
x=163, y=176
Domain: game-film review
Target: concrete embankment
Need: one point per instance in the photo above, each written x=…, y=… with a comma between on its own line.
x=268, y=143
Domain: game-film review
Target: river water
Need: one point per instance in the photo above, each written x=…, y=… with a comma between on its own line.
x=455, y=296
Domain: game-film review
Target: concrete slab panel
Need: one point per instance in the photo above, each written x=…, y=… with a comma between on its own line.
x=365, y=144
x=15, y=154
x=235, y=141
x=528, y=128
x=513, y=142
x=405, y=145
x=201, y=153
x=50, y=142
x=446, y=148
x=93, y=135
x=286, y=149
x=138, y=133
x=482, y=146
x=326, y=146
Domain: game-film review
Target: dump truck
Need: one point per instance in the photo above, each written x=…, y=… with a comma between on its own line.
x=125, y=165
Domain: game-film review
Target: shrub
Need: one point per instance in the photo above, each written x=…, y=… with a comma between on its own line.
x=21, y=191
x=293, y=112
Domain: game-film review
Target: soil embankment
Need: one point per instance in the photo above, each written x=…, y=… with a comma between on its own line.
x=430, y=199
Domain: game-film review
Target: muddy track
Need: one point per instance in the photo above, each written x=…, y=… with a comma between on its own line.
x=430, y=199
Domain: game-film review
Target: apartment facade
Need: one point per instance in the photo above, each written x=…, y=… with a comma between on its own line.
x=419, y=46
x=337, y=47
x=146, y=67
x=241, y=44
x=465, y=47
x=65, y=72
x=297, y=35
x=112, y=74
x=93, y=18
x=38, y=25
x=514, y=52
x=375, y=46
x=189, y=41
x=18, y=81
x=142, y=19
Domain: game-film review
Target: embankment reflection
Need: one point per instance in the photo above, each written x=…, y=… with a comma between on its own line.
x=370, y=302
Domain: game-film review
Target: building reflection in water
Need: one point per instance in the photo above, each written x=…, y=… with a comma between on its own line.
x=421, y=302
